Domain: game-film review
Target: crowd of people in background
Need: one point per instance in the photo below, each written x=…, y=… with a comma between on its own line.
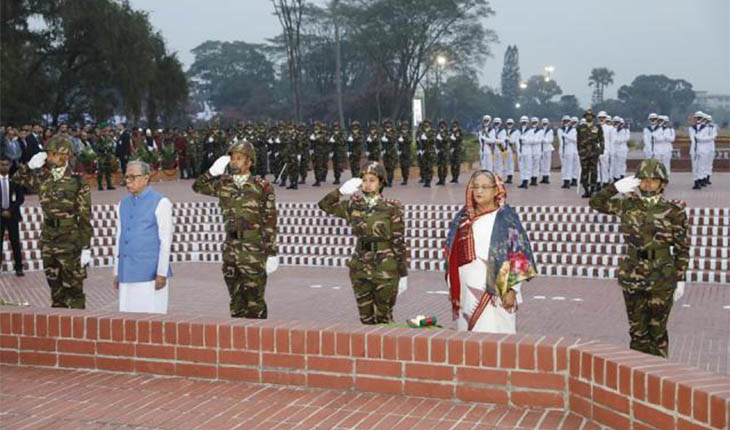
x=288, y=151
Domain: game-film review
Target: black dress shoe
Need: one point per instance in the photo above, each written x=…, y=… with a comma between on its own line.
x=573, y=182
x=404, y=183
x=509, y=179
x=587, y=192
x=110, y=188
x=545, y=180
x=566, y=184
x=427, y=185
x=19, y=272
x=524, y=184
x=533, y=181
x=336, y=182
x=697, y=185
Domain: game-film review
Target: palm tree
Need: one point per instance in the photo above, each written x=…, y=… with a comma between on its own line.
x=600, y=78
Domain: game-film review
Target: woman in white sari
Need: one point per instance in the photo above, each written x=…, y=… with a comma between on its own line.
x=488, y=258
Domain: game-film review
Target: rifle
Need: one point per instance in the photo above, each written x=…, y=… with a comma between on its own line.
x=281, y=172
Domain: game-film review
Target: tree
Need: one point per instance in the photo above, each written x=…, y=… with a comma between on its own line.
x=511, y=76
x=569, y=105
x=233, y=76
x=290, y=13
x=599, y=79
x=540, y=90
x=402, y=39
x=656, y=93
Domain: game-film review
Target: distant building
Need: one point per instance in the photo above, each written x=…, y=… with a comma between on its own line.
x=712, y=101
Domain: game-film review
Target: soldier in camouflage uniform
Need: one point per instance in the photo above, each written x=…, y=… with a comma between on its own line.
x=379, y=263
x=354, y=148
x=442, y=152
x=338, y=151
x=104, y=148
x=292, y=152
x=260, y=140
x=419, y=151
x=321, y=153
x=427, y=139
x=305, y=151
x=656, y=232
x=65, y=200
x=372, y=143
x=186, y=155
x=249, y=213
x=404, y=150
x=389, y=141
x=272, y=148
x=455, y=157
x=590, y=147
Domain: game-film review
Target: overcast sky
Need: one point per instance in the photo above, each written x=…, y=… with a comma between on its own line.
x=678, y=38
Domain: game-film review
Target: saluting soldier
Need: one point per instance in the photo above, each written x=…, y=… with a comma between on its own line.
x=379, y=263
x=656, y=233
x=65, y=200
x=249, y=213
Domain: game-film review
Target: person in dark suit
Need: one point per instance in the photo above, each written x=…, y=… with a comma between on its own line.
x=29, y=145
x=124, y=146
x=11, y=197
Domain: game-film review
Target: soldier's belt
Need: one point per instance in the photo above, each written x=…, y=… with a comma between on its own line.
x=373, y=245
x=649, y=254
x=243, y=235
x=60, y=222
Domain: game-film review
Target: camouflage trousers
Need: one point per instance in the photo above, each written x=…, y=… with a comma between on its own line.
x=339, y=163
x=65, y=277
x=427, y=167
x=648, y=313
x=355, y=158
x=319, y=163
x=442, y=161
x=104, y=171
x=455, y=163
x=245, y=275
x=588, y=171
x=390, y=162
x=375, y=297
x=304, y=166
x=405, y=167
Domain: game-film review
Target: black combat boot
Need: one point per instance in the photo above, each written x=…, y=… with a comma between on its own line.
x=427, y=184
x=316, y=183
x=533, y=181
x=573, y=182
x=697, y=185
x=524, y=184
x=566, y=184
x=587, y=192
x=336, y=182
x=293, y=186
x=404, y=182
x=707, y=181
x=545, y=180
x=441, y=182
x=509, y=179
x=454, y=181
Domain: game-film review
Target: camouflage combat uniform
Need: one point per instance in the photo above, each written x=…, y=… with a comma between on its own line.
x=321, y=153
x=372, y=143
x=338, y=151
x=354, y=148
x=590, y=147
x=427, y=139
x=259, y=143
x=65, y=200
x=249, y=215
x=380, y=257
x=404, y=150
x=455, y=140
x=442, y=152
x=305, y=151
x=104, y=148
x=389, y=141
x=656, y=232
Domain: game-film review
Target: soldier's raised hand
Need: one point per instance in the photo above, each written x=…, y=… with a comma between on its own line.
x=38, y=160
x=350, y=186
x=627, y=185
x=219, y=166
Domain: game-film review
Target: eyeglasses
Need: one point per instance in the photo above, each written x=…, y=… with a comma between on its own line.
x=128, y=178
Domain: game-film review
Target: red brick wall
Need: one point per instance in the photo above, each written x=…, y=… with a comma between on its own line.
x=613, y=386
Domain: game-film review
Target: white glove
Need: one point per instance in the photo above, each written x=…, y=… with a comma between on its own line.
x=402, y=285
x=219, y=166
x=332, y=140
x=423, y=136
x=350, y=186
x=383, y=139
x=348, y=154
x=272, y=263
x=400, y=139
x=85, y=257
x=679, y=292
x=37, y=161
x=369, y=139
x=299, y=157
x=627, y=184
x=349, y=139
x=420, y=152
x=210, y=139
x=311, y=137
x=277, y=140
x=453, y=137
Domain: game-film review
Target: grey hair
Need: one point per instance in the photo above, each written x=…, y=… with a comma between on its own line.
x=144, y=167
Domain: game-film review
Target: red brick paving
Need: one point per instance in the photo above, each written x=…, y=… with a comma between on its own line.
x=32, y=398
x=699, y=325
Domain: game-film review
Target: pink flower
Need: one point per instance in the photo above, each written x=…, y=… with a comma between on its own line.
x=518, y=262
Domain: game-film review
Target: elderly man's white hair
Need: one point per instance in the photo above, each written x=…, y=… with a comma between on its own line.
x=143, y=167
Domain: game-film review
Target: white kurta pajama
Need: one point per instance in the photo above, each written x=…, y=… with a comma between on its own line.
x=142, y=296
x=473, y=277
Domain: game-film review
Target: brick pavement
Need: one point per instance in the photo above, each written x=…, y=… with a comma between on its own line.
x=32, y=398
x=699, y=325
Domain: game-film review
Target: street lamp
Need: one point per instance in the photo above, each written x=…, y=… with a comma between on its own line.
x=523, y=85
x=441, y=60
x=549, y=73
x=517, y=105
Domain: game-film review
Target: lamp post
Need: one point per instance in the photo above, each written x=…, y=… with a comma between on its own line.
x=440, y=64
x=549, y=73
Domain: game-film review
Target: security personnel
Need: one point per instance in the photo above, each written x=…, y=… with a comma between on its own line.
x=590, y=147
x=379, y=264
x=427, y=141
x=656, y=232
x=568, y=150
x=65, y=200
x=442, y=152
x=354, y=148
x=404, y=150
x=455, y=141
x=372, y=143
x=338, y=151
x=249, y=213
x=390, y=150
x=104, y=148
